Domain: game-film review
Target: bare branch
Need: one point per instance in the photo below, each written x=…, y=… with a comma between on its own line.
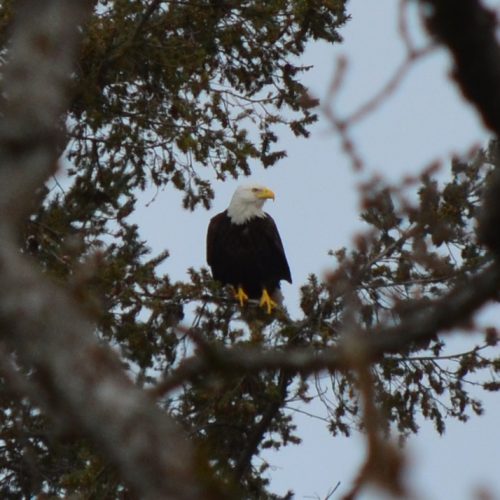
x=389, y=88
x=384, y=463
x=338, y=124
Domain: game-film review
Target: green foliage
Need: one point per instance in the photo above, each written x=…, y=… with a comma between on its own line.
x=418, y=250
x=168, y=95
x=173, y=95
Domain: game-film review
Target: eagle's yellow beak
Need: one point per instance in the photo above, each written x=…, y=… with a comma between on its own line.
x=265, y=194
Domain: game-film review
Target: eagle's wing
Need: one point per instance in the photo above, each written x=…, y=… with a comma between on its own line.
x=273, y=236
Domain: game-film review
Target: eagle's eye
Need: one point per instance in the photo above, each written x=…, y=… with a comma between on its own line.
x=255, y=190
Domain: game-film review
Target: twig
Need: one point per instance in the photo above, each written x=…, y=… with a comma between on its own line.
x=389, y=88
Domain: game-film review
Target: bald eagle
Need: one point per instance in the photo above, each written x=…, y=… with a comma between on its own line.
x=244, y=248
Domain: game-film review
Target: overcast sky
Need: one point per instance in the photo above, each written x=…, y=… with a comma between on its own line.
x=316, y=210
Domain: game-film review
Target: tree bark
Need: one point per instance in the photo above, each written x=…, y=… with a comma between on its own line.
x=80, y=381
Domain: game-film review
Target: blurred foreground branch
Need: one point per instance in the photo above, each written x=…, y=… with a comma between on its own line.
x=369, y=346
x=468, y=30
x=78, y=380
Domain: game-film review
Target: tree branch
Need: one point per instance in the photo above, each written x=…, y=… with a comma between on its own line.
x=84, y=382
x=469, y=31
x=369, y=346
x=255, y=438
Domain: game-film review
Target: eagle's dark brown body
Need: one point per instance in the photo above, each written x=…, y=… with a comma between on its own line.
x=248, y=255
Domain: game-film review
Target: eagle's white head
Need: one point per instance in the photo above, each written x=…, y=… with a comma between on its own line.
x=247, y=203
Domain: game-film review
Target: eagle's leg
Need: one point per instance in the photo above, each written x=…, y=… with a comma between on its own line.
x=241, y=296
x=267, y=302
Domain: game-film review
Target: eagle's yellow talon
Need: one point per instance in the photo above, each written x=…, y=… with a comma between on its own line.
x=241, y=296
x=267, y=302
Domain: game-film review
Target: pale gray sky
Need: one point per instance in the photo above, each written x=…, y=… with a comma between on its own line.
x=316, y=210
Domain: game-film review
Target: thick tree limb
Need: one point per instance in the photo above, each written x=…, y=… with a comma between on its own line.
x=83, y=382
x=34, y=83
x=442, y=314
x=88, y=386
x=468, y=30
x=489, y=219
